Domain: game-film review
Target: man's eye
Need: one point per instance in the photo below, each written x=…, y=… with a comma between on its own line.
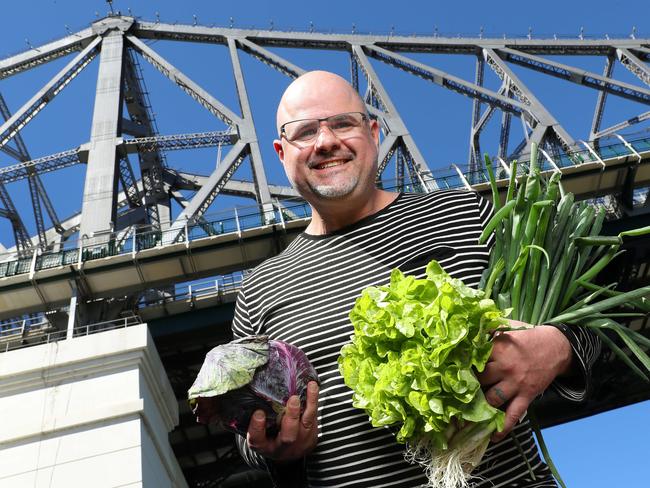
x=343, y=123
x=305, y=132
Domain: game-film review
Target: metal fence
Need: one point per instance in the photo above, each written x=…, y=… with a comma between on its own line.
x=236, y=220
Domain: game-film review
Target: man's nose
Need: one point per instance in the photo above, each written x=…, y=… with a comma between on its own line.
x=326, y=139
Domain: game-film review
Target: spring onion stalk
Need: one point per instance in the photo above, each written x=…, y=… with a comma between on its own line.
x=539, y=216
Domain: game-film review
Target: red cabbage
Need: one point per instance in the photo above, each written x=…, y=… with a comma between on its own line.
x=249, y=374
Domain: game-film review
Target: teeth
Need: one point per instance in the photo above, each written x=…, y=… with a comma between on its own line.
x=329, y=164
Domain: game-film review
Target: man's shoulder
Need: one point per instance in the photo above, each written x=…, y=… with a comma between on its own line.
x=287, y=259
x=440, y=196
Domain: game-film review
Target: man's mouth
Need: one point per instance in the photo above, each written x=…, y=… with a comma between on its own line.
x=329, y=164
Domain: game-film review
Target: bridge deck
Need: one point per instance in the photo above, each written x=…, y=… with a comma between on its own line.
x=134, y=260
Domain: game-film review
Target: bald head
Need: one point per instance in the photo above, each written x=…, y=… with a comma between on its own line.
x=318, y=94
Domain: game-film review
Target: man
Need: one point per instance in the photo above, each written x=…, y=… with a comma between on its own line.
x=358, y=233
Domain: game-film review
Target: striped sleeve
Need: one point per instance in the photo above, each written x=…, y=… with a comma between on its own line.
x=586, y=349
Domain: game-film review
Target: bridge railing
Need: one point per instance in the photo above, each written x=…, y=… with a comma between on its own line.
x=217, y=286
x=12, y=343
x=139, y=238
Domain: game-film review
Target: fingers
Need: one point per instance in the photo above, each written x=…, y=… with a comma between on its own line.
x=497, y=396
x=308, y=419
x=290, y=425
x=514, y=413
x=256, y=436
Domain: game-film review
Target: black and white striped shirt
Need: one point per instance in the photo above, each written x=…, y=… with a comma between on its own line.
x=304, y=295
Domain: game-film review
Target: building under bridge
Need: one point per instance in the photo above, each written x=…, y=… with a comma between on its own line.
x=106, y=314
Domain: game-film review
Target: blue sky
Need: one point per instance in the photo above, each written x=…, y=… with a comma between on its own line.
x=608, y=450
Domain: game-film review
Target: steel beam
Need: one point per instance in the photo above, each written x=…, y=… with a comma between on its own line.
x=634, y=64
x=391, y=115
x=155, y=198
x=36, y=189
x=575, y=75
x=208, y=192
x=386, y=150
x=448, y=81
x=214, y=106
x=21, y=236
x=474, y=137
x=45, y=95
x=247, y=132
x=99, y=206
x=623, y=125
x=45, y=53
x=602, y=98
x=175, y=142
x=271, y=59
x=72, y=157
x=521, y=91
x=406, y=43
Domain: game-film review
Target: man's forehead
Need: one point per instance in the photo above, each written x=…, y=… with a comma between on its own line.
x=317, y=94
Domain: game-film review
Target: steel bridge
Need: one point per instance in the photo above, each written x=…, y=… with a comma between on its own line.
x=146, y=234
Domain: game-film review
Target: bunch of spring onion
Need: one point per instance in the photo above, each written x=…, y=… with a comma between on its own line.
x=547, y=254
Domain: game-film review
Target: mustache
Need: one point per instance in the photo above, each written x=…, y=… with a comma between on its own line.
x=313, y=162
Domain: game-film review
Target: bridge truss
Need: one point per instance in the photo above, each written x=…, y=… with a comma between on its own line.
x=129, y=183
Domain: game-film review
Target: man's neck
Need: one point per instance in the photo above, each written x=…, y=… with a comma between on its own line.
x=336, y=215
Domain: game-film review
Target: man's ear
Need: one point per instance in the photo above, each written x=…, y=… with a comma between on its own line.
x=374, y=130
x=277, y=145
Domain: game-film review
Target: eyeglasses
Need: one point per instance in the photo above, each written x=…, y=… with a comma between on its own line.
x=305, y=131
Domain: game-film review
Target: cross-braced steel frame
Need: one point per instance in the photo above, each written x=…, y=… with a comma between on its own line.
x=114, y=187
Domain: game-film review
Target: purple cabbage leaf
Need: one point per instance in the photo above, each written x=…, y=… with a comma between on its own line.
x=246, y=375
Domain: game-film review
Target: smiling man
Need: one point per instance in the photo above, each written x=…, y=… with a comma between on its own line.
x=358, y=233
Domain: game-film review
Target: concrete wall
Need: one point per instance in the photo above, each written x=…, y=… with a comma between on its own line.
x=89, y=411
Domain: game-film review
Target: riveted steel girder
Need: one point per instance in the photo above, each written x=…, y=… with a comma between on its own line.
x=247, y=132
x=213, y=105
x=575, y=75
x=46, y=53
x=391, y=117
x=45, y=95
x=634, y=64
x=99, y=208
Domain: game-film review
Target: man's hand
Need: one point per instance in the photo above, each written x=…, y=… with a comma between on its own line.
x=298, y=434
x=522, y=365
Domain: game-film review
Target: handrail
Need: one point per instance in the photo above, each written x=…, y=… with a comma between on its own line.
x=246, y=218
x=59, y=335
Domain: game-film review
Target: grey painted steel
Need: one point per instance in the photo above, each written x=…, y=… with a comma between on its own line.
x=53, y=162
x=185, y=83
x=45, y=53
x=602, y=98
x=634, y=64
x=36, y=189
x=98, y=212
x=422, y=44
x=247, y=132
x=154, y=197
x=542, y=115
x=579, y=76
x=474, y=143
x=45, y=95
x=72, y=157
x=269, y=58
x=446, y=80
x=396, y=145
x=216, y=181
x=392, y=119
x=21, y=236
x=623, y=125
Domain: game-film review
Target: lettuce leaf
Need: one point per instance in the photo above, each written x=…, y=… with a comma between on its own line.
x=412, y=360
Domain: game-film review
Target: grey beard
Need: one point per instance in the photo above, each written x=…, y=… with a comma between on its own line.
x=335, y=191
